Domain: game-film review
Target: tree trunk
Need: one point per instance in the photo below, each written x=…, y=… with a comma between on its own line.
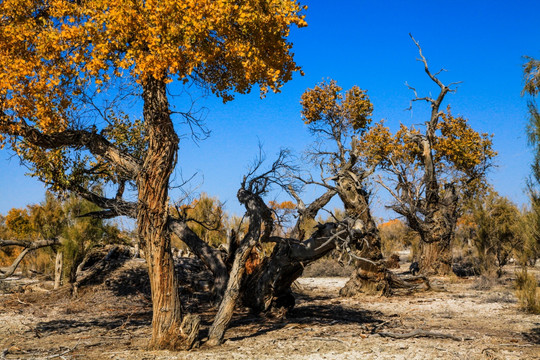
x=370, y=276
x=152, y=216
x=268, y=288
x=58, y=270
x=435, y=257
x=435, y=248
x=258, y=212
x=230, y=298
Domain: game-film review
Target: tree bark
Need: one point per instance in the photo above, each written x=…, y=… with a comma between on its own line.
x=152, y=216
x=436, y=257
x=370, y=276
x=258, y=213
x=268, y=289
x=58, y=269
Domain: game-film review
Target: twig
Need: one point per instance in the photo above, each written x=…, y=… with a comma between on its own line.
x=65, y=352
x=423, y=333
x=517, y=345
x=22, y=302
x=328, y=339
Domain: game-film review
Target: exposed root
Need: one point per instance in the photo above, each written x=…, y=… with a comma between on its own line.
x=381, y=281
x=190, y=329
x=422, y=333
x=183, y=337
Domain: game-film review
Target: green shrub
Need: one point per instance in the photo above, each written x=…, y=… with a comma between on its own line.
x=528, y=291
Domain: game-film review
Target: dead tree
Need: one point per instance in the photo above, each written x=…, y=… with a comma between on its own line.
x=28, y=247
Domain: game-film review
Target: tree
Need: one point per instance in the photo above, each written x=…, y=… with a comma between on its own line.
x=428, y=171
x=339, y=120
x=531, y=74
x=208, y=219
x=496, y=236
x=58, y=59
x=56, y=223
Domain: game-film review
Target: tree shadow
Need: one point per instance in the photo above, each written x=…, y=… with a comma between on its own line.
x=308, y=314
x=67, y=326
x=533, y=336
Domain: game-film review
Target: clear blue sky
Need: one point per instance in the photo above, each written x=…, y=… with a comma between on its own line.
x=366, y=43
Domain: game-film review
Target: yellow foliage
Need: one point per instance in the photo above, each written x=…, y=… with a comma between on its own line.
x=326, y=104
x=457, y=148
x=53, y=53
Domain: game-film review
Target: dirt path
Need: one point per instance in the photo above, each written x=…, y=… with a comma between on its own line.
x=102, y=324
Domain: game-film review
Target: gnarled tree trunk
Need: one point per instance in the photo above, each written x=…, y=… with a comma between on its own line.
x=370, y=275
x=152, y=216
x=258, y=213
x=268, y=288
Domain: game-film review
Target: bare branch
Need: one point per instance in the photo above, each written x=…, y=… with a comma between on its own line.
x=28, y=247
x=426, y=68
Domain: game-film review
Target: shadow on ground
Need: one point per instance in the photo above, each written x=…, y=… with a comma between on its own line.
x=533, y=336
x=69, y=326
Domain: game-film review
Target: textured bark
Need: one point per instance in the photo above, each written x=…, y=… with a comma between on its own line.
x=258, y=213
x=371, y=275
x=268, y=289
x=435, y=257
x=58, y=269
x=152, y=216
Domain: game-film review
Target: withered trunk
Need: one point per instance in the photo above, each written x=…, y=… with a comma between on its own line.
x=370, y=276
x=152, y=213
x=258, y=213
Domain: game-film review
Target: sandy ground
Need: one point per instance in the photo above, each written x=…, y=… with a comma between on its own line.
x=110, y=322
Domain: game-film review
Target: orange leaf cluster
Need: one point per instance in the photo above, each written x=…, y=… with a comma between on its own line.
x=326, y=104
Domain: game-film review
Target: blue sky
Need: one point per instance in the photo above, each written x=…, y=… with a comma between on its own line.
x=366, y=43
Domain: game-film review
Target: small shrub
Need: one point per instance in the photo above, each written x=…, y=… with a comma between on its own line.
x=393, y=262
x=528, y=292
x=327, y=267
x=483, y=283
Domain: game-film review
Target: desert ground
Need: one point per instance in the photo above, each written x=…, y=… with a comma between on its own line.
x=465, y=318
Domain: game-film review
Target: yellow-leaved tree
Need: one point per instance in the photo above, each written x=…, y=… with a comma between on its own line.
x=70, y=71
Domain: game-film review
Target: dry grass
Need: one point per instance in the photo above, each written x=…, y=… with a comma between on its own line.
x=327, y=267
x=528, y=291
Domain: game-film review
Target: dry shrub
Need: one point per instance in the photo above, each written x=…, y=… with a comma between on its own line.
x=393, y=236
x=484, y=283
x=393, y=262
x=39, y=261
x=500, y=298
x=327, y=267
x=528, y=291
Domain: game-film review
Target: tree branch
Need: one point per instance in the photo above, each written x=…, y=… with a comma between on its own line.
x=97, y=144
x=28, y=247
